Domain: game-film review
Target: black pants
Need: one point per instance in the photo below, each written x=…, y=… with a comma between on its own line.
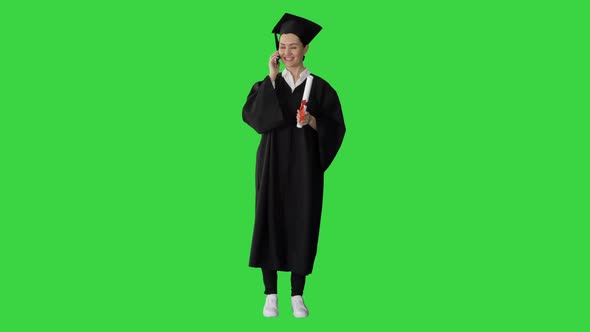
x=270, y=282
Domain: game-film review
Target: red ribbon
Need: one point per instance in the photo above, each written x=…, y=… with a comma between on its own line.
x=302, y=110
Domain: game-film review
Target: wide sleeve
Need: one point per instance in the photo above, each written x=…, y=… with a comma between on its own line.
x=262, y=110
x=330, y=126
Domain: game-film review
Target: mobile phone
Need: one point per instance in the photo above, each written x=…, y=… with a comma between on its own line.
x=277, y=60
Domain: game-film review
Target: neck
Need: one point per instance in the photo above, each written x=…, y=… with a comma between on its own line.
x=296, y=71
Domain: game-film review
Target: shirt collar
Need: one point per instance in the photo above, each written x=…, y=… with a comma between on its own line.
x=289, y=78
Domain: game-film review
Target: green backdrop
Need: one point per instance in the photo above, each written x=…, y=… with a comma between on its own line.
x=458, y=202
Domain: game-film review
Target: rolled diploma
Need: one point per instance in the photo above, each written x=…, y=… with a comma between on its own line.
x=303, y=106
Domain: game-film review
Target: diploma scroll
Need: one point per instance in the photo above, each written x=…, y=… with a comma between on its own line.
x=303, y=106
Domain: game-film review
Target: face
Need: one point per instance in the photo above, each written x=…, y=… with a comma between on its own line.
x=291, y=49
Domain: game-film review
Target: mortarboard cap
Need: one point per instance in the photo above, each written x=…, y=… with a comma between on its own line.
x=305, y=29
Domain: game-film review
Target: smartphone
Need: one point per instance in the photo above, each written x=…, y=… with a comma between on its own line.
x=277, y=60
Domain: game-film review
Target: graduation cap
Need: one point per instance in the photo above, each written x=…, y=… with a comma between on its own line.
x=305, y=29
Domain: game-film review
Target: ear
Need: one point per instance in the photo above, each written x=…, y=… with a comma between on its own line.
x=305, y=49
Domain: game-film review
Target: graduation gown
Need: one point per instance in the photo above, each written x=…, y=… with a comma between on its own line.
x=290, y=166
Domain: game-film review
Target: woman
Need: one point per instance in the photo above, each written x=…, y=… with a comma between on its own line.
x=290, y=162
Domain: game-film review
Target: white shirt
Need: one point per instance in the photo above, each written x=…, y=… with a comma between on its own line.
x=290, y=81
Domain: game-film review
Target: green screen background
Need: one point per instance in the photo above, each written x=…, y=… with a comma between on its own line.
x=458, y=201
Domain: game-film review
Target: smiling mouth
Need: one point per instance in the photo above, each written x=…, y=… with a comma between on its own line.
x=288, y=58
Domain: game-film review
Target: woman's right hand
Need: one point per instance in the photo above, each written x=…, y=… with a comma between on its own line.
x=273, y=66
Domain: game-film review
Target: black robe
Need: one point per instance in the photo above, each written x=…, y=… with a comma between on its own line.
x=290, y=166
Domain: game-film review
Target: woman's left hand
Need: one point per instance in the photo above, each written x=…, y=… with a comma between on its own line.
x=305, y=120
x=308, y=119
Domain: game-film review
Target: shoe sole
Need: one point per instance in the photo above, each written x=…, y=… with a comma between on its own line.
x=300, y=315
x=270, y=314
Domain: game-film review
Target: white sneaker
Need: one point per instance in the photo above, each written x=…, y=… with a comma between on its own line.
x=271, y=308
x=299, y=308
